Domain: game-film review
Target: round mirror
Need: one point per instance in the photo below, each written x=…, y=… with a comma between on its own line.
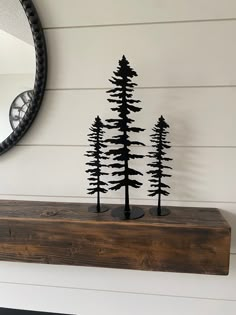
x=23, y=68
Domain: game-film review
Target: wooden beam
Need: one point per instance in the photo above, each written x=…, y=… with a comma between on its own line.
x=192, y=240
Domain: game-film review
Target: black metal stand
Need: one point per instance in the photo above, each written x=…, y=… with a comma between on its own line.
x=93, y=209
x=134, y=213
x=164, y=212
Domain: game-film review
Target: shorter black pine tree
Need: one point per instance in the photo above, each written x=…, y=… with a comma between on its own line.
x=97, y=143
x=160, y=144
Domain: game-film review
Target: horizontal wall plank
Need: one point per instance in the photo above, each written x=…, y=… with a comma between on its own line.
x=162, y=55
x=85, y=302
x=197, y=117
x=104, y=279
x=79, y=12
x=60, y=171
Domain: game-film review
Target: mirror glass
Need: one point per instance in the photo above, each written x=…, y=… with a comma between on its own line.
x=17, y=65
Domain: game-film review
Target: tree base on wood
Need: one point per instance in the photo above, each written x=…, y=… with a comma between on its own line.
x=164, y=211
x=93, y=209
x=135, y=213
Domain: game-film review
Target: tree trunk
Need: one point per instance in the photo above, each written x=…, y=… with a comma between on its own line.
x=127, y=207
x=98, y=168
x=159, y=201
x=98, y=202
x=160, y=174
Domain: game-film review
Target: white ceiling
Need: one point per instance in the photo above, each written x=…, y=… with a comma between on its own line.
x=16, y=56
x=17, y=53
x=14, y=21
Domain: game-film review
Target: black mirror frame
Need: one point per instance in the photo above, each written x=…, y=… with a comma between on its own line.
x=40, y=77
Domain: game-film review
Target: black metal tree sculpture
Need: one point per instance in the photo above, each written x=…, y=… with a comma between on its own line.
x=97, y=143
x=122, y=96
x=160, y=145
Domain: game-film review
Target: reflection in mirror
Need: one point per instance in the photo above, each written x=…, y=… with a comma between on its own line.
x=17, y=65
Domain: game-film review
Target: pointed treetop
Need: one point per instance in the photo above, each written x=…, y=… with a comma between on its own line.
x=124, y=69
x=124, y=60
x=162, y=122
x=98, y=122
x=98, y=119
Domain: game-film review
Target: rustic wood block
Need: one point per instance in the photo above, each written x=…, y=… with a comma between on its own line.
x=193, y=240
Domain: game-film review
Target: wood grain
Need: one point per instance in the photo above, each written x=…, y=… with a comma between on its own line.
x=194, y=240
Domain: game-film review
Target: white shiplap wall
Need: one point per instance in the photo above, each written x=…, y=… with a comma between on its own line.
x=184, y=52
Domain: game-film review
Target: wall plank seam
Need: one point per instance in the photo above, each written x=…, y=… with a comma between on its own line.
x=139, y=23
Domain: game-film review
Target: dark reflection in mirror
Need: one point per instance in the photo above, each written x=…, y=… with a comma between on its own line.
x=19, y=108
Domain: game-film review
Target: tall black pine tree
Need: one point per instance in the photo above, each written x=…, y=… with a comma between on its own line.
x=97, y=143
x=122, y=96
x=160, y=144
